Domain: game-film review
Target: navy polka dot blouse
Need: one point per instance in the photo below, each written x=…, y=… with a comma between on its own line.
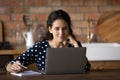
x=36, y=54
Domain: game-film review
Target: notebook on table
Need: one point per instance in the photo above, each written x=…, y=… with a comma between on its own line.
x=26, y=73
x=65, y=60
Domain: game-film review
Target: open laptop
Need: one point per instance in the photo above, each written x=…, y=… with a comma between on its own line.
x=65, y=60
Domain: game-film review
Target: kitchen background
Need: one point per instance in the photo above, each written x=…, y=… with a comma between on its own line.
x=84, y=14
x=81, y=12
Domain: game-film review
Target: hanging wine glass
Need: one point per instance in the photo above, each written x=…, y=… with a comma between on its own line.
x=89, y=31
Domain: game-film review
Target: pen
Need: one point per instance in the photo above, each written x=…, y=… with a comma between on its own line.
x=19, y=65
x=23, y=66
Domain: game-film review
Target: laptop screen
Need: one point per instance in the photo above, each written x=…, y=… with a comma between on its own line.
x=65, y=60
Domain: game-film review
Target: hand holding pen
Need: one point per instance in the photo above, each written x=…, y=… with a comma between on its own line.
x=17, y=66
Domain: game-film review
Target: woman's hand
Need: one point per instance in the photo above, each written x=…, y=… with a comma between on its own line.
x=15, y=67
x=71, y=40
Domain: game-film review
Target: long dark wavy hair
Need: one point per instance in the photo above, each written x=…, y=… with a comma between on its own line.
x=58, y=14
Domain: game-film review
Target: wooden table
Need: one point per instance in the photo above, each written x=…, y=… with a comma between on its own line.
x=92, y=75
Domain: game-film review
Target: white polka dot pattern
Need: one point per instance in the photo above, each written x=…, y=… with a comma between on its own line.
x=35, y=54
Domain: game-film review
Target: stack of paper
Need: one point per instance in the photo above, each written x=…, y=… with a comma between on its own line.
x=27, y=73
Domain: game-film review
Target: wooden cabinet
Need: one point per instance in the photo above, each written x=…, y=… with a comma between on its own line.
x=100, y=65
x=7, y=55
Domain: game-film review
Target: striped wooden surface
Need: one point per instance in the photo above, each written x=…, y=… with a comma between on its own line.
x=108, y=27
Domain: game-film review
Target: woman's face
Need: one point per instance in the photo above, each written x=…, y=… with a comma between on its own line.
x=59, y=30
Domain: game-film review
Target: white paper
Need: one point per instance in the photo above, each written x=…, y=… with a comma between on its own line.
x=27, y=73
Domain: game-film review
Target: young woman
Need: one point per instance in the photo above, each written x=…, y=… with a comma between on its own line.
x=59, y=35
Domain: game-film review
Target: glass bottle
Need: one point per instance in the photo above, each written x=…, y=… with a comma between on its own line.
x=18, y=37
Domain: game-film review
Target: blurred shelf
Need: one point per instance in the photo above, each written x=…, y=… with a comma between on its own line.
x=11, y=52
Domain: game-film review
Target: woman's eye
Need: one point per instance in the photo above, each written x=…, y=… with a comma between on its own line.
x=56, y=28
x=65, y=28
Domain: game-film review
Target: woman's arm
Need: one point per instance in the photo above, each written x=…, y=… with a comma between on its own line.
x=28, y=57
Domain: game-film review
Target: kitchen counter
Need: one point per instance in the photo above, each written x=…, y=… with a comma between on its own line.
x=102, y=51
